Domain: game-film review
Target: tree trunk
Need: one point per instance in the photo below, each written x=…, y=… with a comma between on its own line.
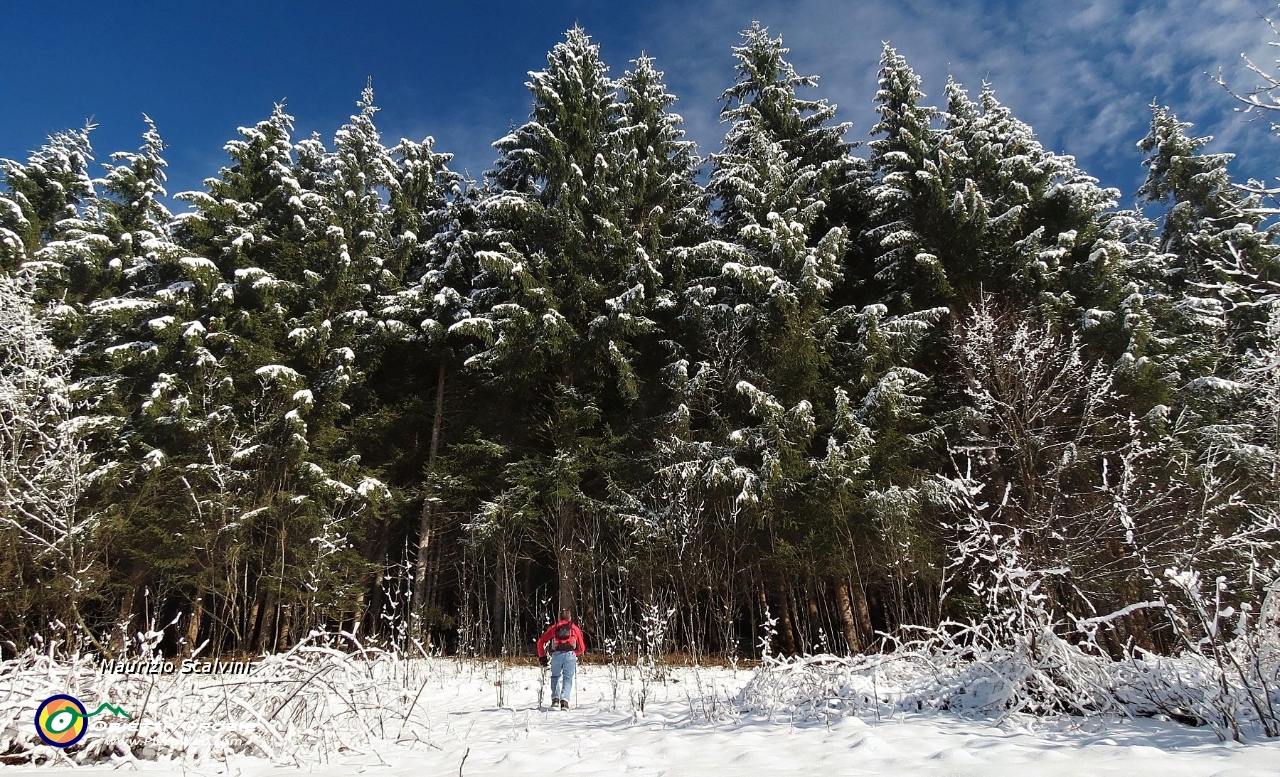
x=784, y=623
x=126, y=609
x=425, y=524
x=264, y=625
x=285, y=622
x=565, y=520
x=862, y=611
x=818, y=620
x=197, y=616
x=245, y=642
x=844, y=606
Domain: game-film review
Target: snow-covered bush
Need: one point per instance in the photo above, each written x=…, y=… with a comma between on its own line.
x=650, y=652
x=44, y=469
x=328, y=694
x=953, y=668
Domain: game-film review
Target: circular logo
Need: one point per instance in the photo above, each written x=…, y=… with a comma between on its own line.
x=61, y=720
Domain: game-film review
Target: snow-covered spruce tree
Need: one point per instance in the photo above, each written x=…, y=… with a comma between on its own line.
x=331, y=331
x=909, y=192
x=1022, y=220
x=137, y=273
x=766, y=91
x=246, y=207
x=131, y=306
x=132, y=187
x=661, y=166
x=431, y=250
x=766, y=446
x=978, y=203
x=54, y=184
x=139, y=347
x=664, y=213
x=776, y=279
x=567, y=299
x=331, y=338
x=1219, y=249
x=259, y=224
x=52, y=554
x=138, y=313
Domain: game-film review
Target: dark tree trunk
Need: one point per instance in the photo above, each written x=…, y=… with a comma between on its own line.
x=426, y=527
x=848, y=624
x=784, y=625
x=565, y=520
x=197, y=617
x=136, y=581
x=264, y=623
x=862, y=611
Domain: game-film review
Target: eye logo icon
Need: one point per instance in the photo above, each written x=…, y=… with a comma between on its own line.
x=62, y=720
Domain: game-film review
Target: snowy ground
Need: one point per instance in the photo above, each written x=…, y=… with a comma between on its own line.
x=686, y=731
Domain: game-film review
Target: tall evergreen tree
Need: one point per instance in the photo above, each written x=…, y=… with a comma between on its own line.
x=1015, y=226
x=909, y=194
x=663, y=198
x=431, y=249
x=53, y=185
x=1214, y=236
x=765, y=98
x=561, y=266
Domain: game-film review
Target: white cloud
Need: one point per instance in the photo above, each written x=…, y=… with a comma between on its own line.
x=1082, y=74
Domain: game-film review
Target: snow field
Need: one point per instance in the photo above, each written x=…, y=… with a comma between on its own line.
x=433, y=716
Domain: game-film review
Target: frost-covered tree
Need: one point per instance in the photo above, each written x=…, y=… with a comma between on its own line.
x=53, y=185
x=52, y=554
x=249, y=205
x=766, y=99
x=140, y=352
x=767, y=434
x=777, y=262
x=1028, y=469
x=330, y=333
x=431, y=239
x=1022, y=219
x=768, y=280
x=282, y=335
x=1218, y=248
x=661, y=188
x=908, y=191
x=570, y=290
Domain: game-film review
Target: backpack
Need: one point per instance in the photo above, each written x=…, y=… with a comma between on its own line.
x=564, y=638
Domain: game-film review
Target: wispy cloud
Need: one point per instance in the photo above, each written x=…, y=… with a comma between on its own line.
x=1081, y=73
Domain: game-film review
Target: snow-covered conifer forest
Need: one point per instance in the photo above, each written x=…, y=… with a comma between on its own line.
x=937, y=396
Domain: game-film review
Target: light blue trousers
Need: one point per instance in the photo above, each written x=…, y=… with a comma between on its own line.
x=563, y=667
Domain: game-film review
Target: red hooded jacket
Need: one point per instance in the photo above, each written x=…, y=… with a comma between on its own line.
x=575, y=636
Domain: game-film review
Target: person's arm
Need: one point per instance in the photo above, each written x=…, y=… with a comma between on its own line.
x=543, y=640
x=582, y=643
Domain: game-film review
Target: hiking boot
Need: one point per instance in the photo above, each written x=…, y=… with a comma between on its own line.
x=564, y=704
x=555, y=703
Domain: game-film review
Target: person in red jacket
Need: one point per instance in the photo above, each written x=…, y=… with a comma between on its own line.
x=564, y=639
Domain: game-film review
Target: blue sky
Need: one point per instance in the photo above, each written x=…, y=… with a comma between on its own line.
x=1081, y=72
